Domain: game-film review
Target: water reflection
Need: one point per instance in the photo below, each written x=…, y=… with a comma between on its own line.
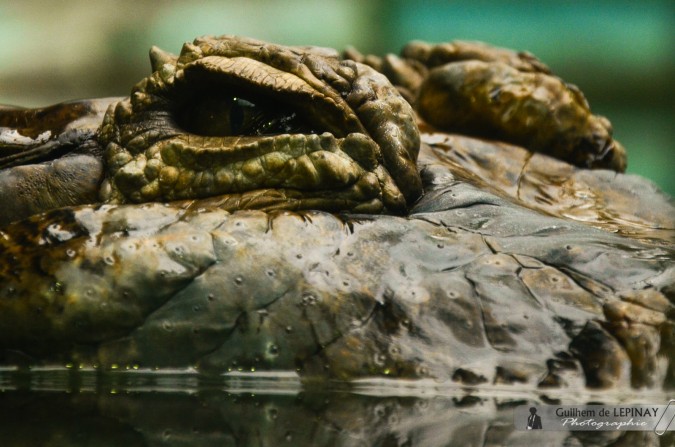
x=139, y=408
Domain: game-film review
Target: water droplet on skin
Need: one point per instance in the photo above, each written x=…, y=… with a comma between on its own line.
x=57, y=287
x=309, y=300
x=421, y=406
x=379, y=411
x=379, y=359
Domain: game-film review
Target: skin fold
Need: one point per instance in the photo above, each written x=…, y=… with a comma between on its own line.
x=455, y=212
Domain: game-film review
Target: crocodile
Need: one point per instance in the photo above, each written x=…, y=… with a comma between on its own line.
x=455, y=212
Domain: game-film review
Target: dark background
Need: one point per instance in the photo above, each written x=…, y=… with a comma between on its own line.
x=619, y=52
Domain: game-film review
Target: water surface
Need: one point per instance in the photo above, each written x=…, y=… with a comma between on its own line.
x=182, y=408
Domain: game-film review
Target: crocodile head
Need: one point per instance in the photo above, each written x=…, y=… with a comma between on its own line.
x=471, y=286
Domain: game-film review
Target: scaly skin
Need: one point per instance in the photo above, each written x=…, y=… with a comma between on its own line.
x=474, y=284
x=472, y=88
x=363, y=152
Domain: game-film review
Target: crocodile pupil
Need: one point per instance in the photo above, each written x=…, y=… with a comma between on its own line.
x=227, y=115
x=241, y=111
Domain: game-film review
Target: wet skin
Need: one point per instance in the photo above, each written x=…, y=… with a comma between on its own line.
x=258, y=206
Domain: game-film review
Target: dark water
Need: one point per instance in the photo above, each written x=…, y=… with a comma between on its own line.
x=74, y=408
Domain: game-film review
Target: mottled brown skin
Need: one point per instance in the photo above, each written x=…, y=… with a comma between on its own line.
x=49, y=157
x=555, y=187
x=533, y=110
x=475, y=89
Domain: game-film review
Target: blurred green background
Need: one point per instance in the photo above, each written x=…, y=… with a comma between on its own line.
x=619, y=52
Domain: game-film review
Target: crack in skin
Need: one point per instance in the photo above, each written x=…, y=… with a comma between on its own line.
x=575, y=276
x=487, y=243
x=529, y=290
x=238, y=323
x=520, y=174
x=482, y=313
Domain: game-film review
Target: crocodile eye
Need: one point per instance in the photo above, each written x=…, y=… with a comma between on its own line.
x=224, y=114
